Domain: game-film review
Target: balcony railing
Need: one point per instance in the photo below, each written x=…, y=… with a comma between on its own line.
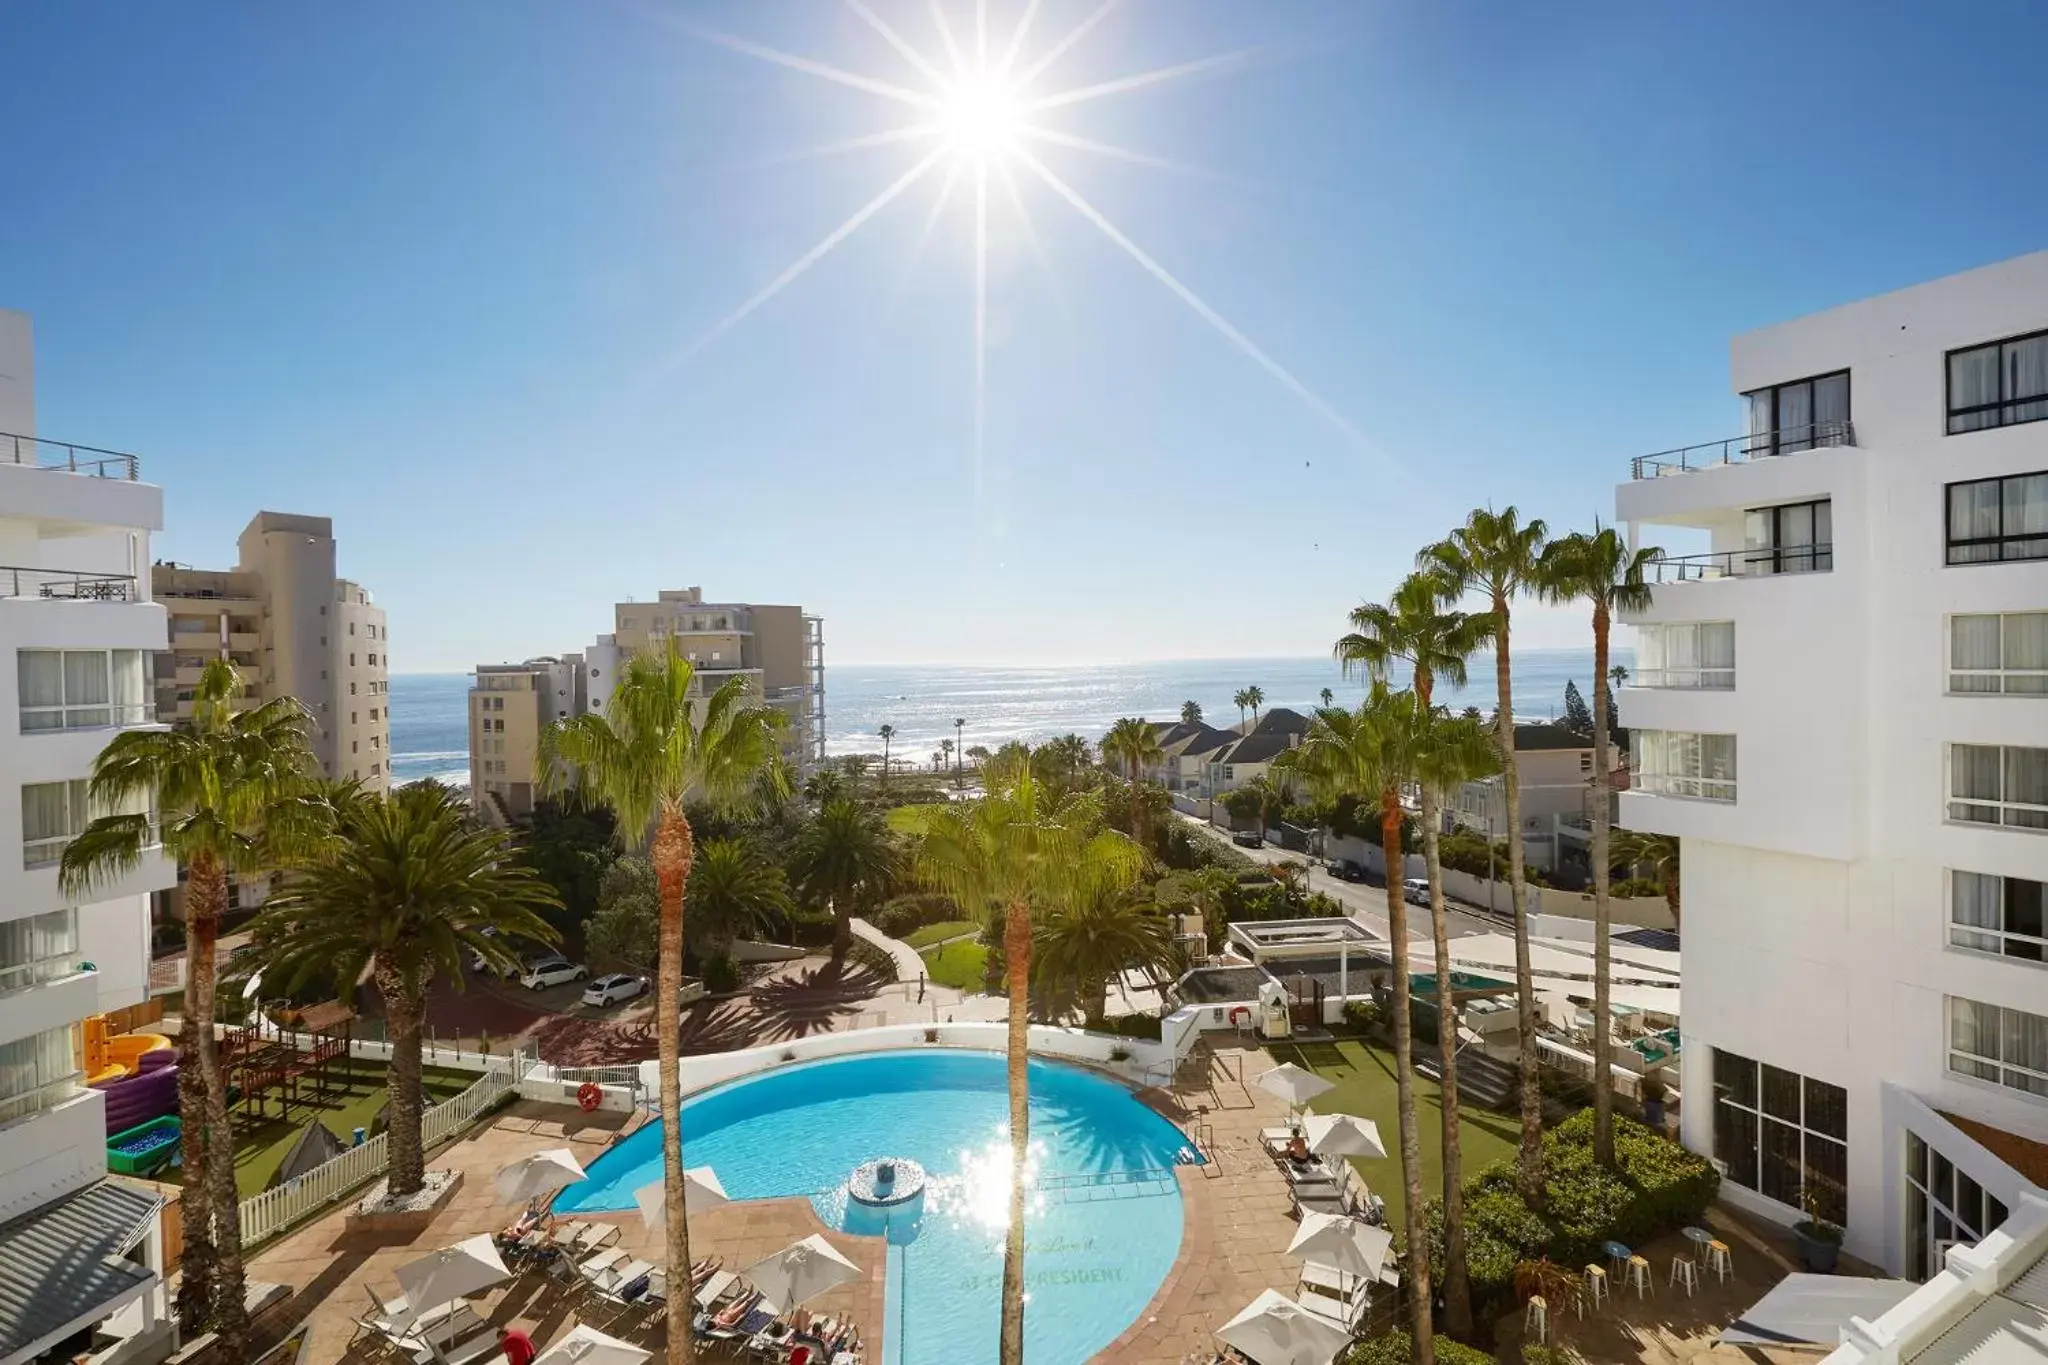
x=47, y=1096
x=71, y=459
x=40, y=972
x=1761, y=445
x=1791, y=559
x=67, y=584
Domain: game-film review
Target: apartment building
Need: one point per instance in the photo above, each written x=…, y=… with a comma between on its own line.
x=77, y=631
x=294, y=629
x=1555, y=766
x=1840, y=706
x=508, y=708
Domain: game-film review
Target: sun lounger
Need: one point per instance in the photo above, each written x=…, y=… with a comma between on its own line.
x=595, y=1264
x=717, y=1287
x=1346, y=1313
x=1308, y=1173
x=724, y=1323
x=580, y=1236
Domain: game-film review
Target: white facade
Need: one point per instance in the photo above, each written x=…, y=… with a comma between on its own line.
x=76, y=630
x=1807, y=770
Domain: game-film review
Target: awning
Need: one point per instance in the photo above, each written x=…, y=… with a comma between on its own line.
x=1811, y=1310
x=2001, y=1331
x=62, y=1265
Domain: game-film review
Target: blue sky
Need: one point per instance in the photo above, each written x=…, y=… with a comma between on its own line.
x=433, y=270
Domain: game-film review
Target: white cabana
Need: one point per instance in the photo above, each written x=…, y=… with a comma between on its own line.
x=443, y=1276
x=701, y=1191
x=1343, y=1135
x=1297, y=1085
x=1274, y=1330
x=588, y=1346
x=799, y=1273
x=542, y=1173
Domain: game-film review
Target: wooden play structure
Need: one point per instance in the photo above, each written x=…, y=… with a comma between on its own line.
x=289, y=1071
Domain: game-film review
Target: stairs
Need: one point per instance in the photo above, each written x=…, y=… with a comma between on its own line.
x=1481, y=1079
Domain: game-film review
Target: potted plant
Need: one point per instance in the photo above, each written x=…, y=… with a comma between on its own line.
x=1820, y=1241
x=1653, y=1100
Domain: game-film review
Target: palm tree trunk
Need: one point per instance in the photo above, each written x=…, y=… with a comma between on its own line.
x=198, y=1265
x=1097, y=1010
x=842, y=926
x=206, y=896
x=1603, y=910
x=1017, y=955
x=1457, y=1284
x=1531, y=1165
x=671, y=854
x=1416, y=1233
x=404, y=1007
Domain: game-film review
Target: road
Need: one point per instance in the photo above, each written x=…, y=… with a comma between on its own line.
x=1367, y=903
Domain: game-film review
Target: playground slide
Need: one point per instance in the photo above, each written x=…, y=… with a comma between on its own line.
x=137, y=1099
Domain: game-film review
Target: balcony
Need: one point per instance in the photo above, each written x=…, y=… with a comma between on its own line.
x=67, y=585
x=1716, y=564
x=1762, y=445
x=66, y=458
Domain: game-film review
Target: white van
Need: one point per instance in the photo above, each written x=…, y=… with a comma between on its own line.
x=1415, y=890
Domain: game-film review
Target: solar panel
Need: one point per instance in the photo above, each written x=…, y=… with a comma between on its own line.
x=1664, y=940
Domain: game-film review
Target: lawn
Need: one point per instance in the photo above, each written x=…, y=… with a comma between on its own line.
x=1364, y=1077
x=260, y=1145
x=959, y=965
x=939, y=933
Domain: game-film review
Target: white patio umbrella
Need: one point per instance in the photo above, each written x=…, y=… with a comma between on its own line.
x=1341, y=1243
x=451, y=1273
x=1342, y=1135
x=799, y=1273
x=1274, y=1330
x=701, y=1191
x=530, y=1177
x=588, y=1346
x=1297, y=1085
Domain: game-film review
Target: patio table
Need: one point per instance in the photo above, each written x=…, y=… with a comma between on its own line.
x=1699, y=1237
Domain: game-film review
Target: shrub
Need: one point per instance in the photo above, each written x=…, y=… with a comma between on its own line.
x=1547, y=1355
x=1637, y=886
x=1395, y=1348
x=1364, y=1015
x=1141, y=1026
x=721, y=974
x=900, y=916
x=811, y=931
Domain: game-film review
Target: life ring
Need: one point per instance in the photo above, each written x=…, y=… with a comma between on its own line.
x=1240, y=1015
x=589, y=1096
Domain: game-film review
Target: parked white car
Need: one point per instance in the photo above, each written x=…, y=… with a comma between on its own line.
x=610, y=990
x=1415, y=890
x=552, y=971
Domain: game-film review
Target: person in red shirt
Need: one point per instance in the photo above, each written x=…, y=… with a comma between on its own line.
x=517, y=1346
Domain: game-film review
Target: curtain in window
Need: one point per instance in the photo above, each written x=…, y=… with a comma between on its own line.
x=1831, y=410
x=1763, y=420
x=1975, y=904
x=85, y=687
x=2026, y=783
x=1973, y=643
x=1972, y=515
x=1717, y=652
x=2025, y=646
x=27, y=1064
x=2026, y=514
x=1973, y=380
x=2023, y=1043
x=41, y=675
x=46, y=809
x=2026, y=376
x=1717, y=757
x=1973, y=772
x=130, y=681
x=1795, y=418
x=1972, y=1028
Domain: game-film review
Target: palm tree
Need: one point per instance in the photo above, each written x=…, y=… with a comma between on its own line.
x=855, y=766
x=887, y=732
x=1367, y=755
x=1420, y=625
x=1254, y=697
x=411, y=884
x=734, y=889
x=1096, y=932
x=1243, y=699
x=845, y=857
x=1134, y=741
x=1003, y=855
x=1657, y=852
x=1601, y=570
x=959, y=741
x=233, y=792
x=1329, y=698
x=946, y=755
x=1499, y=556
x=655, y=745
x=1191, y=712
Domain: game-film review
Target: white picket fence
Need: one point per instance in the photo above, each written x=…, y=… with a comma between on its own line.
x=271, y=1212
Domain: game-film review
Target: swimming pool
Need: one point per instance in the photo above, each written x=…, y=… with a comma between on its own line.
x=1104, y=1220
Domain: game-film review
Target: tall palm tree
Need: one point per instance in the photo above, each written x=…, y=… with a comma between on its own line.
x=1499, y=556
x=735, y=888
x=1421, y=626
x=1329, y=697
x=654, y=746
x=1600, y=570
x=1006, y=854
x=1255, y=697
x=1095, y=932
x=233, y=792
x=1243, y=700
x=410, y=885
x=1191, y=712
x=845, y=857
x=946, y=754
x=1657, y=852
x=887, y=732
x=959, y=743
x=1135, y=742
x=1368, y=754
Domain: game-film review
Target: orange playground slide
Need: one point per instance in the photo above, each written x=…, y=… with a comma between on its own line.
x=111, y=1058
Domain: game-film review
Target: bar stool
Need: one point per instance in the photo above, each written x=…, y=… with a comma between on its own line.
x=1639, y=1275
x=1536, y=1318
x=1596, y=1288
x=1686, y=1272
x=1719, y=1261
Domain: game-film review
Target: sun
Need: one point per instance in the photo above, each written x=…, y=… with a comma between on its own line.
x=982, y=117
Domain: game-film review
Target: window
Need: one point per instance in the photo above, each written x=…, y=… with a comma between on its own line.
x=373, y=714
x=1997, y=915
x=351, y=718
x=1943, y=1205
x=1692, y=656
x=351, y=686
x=1787, y=418
x=1994, y=519
x=37, y=1070
x=1782, y=1134
x=1679, y=763
x=1999, y=654
x=373, y=742
x=1795, y=538
x=1992, y=785
x=1998, y=384
x=376, y=769
x=352, y=746
x=38, y=949
x=351, y=627
x=2004, y=1046
x=52, y=815
x=76, y=689
x=351, y=660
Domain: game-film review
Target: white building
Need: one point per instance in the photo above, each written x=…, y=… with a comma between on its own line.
x=1841, y=707
x=76, y=632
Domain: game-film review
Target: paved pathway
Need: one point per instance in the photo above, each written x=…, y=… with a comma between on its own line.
x=909, y=966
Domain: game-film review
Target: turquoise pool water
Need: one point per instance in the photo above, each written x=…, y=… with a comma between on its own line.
x=1102, y=1229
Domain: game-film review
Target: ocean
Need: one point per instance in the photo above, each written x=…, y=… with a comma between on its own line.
x=430, y=735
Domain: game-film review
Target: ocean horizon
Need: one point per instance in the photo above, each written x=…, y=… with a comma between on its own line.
x=999, y=703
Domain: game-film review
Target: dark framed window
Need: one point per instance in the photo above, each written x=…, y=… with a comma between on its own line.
x=1787, y=418
x=1795, y=538
x=1998, y=384
x=1998, y=519
x=1782, y=1134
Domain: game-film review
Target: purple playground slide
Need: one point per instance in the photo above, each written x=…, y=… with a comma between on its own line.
x=135, y=1100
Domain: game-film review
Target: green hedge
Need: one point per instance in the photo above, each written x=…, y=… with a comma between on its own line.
x=1395, y=1348
x=900, y=916
x=1140, y=1026
x=1655, y=1187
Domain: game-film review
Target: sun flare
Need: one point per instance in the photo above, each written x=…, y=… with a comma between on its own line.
x=982, y=117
